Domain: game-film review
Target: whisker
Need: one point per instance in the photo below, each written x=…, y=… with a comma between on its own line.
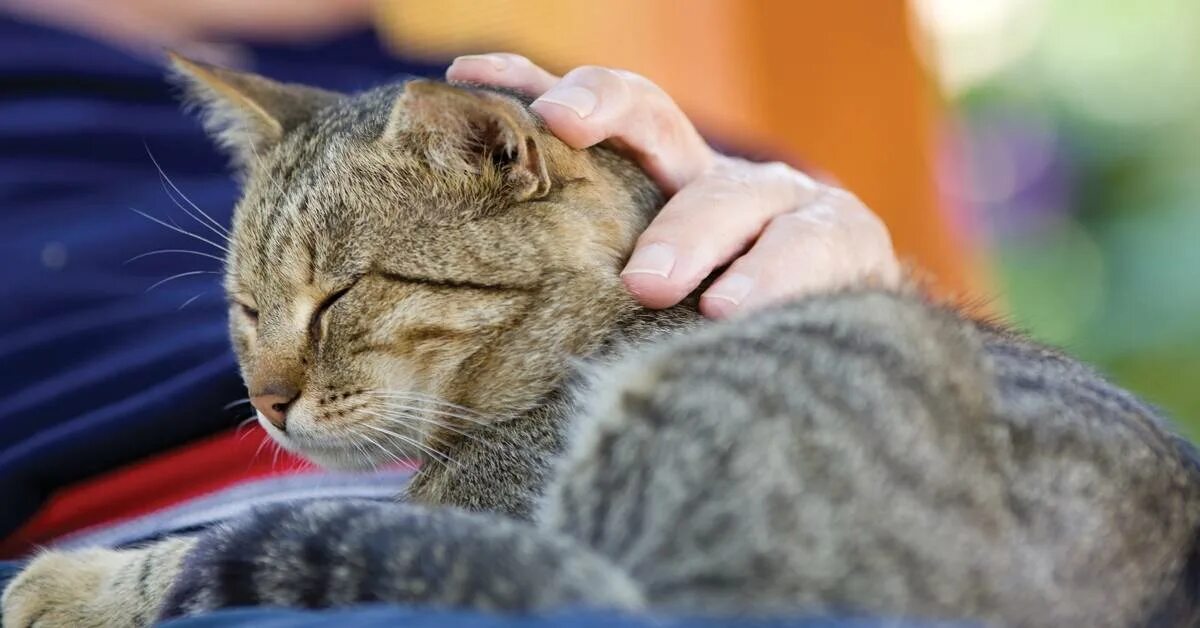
x=264, y=443
x=454, y=410
x=468, y=419
x=398, y=418
x=420, y=446
x=258, y=159
x=220, y=229
x=361, y=450
x=189, y=301
x=181, y=275
x=388, y=454
x=179, y=229
x=219, y=233
x=412, y=394
x=238, y=402
x=244, y=432
x=182, y=251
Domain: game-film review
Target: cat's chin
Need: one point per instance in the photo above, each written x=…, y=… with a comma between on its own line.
x=334, y=456
x=344, y=460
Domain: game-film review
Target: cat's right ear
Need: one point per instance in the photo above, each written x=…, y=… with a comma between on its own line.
x=245, y=113
x=473, y=130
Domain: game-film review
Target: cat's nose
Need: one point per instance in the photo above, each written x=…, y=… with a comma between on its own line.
x=273, y=402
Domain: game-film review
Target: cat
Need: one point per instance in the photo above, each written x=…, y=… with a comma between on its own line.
x=423, y=270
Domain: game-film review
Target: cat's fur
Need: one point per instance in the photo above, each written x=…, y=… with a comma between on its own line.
x=862, y=452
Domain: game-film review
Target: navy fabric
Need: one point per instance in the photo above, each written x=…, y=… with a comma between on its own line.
x=94, y=370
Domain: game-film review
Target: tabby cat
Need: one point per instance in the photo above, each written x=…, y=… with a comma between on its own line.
x=423, y=270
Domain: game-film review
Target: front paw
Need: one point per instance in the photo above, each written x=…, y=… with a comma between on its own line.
x=67, y=589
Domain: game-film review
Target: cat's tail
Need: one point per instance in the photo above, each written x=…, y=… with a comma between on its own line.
x=336, y=553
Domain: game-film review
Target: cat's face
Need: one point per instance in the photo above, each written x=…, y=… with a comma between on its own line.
x=411, y=260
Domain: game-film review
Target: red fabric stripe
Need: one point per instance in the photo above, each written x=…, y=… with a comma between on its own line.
x=169, y=478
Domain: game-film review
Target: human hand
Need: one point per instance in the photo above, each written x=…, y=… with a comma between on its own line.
x=783, y=233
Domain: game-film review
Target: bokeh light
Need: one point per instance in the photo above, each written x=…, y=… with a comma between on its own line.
x=1072, y=147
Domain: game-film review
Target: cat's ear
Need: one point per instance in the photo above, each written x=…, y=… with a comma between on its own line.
x=245, y=113
x=475, y=131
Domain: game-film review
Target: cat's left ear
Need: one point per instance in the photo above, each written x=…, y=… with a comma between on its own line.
x=245, y=113
x=473, y=130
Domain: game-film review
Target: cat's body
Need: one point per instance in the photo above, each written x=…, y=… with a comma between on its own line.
x=862, y=452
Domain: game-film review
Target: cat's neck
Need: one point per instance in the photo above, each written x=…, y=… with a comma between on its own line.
x=503, y=467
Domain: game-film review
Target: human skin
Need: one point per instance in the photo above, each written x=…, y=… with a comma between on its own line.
x=783, y=233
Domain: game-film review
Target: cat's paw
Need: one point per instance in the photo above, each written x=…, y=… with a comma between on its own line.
x=68, y=589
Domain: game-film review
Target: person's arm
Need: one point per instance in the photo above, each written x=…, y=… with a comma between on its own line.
x=781, y=232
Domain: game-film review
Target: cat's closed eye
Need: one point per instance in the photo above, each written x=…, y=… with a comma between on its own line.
x=319, y=313
x=249, y=312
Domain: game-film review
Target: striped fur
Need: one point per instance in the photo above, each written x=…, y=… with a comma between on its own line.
x=864, y=452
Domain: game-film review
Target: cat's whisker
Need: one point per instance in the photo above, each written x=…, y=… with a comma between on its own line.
x=190, y=301
x=432, y=453
x=180, y=276
x=181, y=230
x=402, y=405
x=272, y=180
x=362, y=451
x=220, y=234
x=237, y=402
x=399, y=419
x=179, y=251
x=262, y=444
x=415, y=443
x=386, y=452
x=443, y=413
x=242, y=425
x=212, y=224
x=461, y=412
x=424, y=397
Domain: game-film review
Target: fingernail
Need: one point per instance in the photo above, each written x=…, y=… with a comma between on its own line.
x=578, y=99
x=498, y=63
x=653, y=259
x=733, y=288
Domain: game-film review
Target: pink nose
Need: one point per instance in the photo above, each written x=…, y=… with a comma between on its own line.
x=273, y=402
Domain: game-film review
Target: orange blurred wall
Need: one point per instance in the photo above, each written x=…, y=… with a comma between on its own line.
x=836, y=83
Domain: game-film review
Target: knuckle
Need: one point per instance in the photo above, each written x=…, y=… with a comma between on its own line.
x=595, y=75
x=522, y=66
x=607, y=83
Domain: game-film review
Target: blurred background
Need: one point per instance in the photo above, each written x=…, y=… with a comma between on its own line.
x=1037, y=159
x=1069, y=147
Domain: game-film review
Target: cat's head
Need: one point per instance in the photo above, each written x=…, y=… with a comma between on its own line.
x=410, y=259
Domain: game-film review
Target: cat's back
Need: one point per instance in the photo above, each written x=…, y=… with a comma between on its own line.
x=868, y=451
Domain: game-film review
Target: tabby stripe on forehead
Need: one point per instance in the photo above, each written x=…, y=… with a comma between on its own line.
x=457, y=284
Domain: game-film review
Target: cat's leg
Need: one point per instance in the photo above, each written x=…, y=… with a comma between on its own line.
x=335, y=553
x=94, y=587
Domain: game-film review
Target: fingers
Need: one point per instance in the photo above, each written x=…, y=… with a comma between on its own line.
x=591, y=104
x=710, y=222
x=502, y=69
x=830, y=243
